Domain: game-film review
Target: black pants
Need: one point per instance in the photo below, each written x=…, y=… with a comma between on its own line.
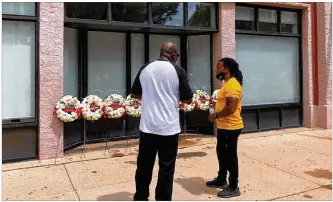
x=166, y=147
x=226, y=150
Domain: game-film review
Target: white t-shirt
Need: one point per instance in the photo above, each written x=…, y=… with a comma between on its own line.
x=162, y=85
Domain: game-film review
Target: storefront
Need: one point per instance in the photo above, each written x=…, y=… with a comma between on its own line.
x=85, y=49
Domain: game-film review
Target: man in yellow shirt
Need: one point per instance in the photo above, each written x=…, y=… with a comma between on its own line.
x=229, y=126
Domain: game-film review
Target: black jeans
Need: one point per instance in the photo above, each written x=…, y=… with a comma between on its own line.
x=226, y=150
x=166, y=147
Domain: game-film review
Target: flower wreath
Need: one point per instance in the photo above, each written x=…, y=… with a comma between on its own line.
x=68, y=109
x=214, y=95
x=133, y=106
x=201, y=100
x=92, y=107
x=113, y=106
x=186, y=107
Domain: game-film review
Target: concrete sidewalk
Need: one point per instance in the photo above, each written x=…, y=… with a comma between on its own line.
x=292, y=164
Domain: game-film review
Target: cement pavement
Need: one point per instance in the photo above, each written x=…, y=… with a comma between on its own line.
x=293, y=164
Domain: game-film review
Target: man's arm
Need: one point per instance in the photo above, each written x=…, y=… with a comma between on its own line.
x=136, y=90
x=136, y=96
x=185, y=91
x=187, y=101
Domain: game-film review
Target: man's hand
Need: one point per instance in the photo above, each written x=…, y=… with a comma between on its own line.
x=187, y=101
x=211, y=117
x=136, y=96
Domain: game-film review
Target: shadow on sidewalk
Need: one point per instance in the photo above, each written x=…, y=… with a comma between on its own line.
x=120, y=196
x=186, y=155
x=196, y=186
x=320, y=173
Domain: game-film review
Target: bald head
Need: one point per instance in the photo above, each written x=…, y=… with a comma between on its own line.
x=169, y=51
x=168, y=46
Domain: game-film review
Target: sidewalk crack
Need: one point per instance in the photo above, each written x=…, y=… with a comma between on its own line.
x=276, y=198
x=72, y=183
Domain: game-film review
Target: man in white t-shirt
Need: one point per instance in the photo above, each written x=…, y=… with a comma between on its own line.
x=160, y=85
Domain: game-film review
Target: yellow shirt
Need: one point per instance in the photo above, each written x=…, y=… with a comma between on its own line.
x=231, y=88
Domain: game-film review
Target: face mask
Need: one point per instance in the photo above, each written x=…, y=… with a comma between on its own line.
x=220, y=76
x=174, y=60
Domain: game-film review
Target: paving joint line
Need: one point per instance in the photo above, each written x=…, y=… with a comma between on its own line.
x=72, y=183
x=85, y=160
x=280, y=134
x=202, y=144
x=64, y=163
x=312, y=151
x=272, y=199
x=281, y=170
x=309, y=149
x=126, y=181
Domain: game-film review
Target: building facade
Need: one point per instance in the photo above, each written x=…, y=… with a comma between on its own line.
x=53, y=49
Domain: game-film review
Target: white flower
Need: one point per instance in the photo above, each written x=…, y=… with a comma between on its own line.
x=215, y=94
x=134, y=112
x=133, y=106
x=67, y=101
x=131, y=101
x=187, y=107
x=116, y=111
x=201, y=94
x=92, y=100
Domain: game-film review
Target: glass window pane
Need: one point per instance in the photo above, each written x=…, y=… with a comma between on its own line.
x=267, y=20
x=96, y=11
x=168, y=14
x=130, y=12
x=106, y=63
x=201, y=15
x=137, y=54
x=244, y=18
x=19, y=8
x=289, y=22
x=269, y=119
x=291, y=117
x=155, y=42
x=70, y=62
x=250, y=121
x=271, y=74
x=198, y=62
x=19, y=143
x=18, y=69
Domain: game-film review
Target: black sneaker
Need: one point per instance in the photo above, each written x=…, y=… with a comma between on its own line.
x=229, y=192
x=216, y=183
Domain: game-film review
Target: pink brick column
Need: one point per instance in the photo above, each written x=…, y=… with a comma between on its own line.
x=224, y=42
x=324, y=28
x=309, y=109
x=51, y=28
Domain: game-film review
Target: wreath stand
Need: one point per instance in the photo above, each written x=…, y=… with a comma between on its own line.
x=196, y=134
x=127, y=137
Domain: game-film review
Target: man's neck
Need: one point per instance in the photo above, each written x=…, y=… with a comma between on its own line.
x=164, y=58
